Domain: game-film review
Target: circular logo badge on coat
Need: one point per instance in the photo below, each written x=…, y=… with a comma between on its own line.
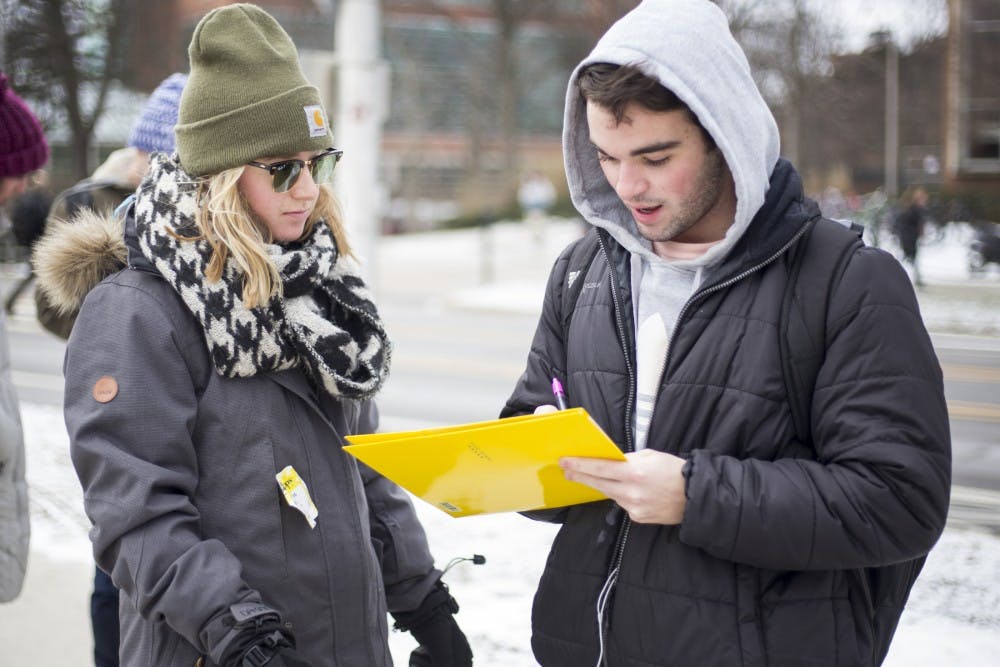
x=105, y=389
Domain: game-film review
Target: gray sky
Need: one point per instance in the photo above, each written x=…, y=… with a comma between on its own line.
x=907, y=19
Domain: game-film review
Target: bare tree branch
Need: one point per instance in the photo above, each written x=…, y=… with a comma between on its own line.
x=64, y=55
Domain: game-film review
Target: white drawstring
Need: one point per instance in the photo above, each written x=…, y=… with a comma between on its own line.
x=602, y=602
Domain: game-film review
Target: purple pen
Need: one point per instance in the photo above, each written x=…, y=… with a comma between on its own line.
x=557, y=391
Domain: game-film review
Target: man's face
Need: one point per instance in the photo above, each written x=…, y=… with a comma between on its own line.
x=11, y=187
x=658, y=165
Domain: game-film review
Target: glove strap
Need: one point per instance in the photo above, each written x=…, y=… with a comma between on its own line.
x=262, y=652
x=245, y=618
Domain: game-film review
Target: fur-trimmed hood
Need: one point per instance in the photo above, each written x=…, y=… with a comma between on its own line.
x=73, y=256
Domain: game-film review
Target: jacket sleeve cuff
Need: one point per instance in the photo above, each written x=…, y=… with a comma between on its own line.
x=686, y=471
x=222, y=630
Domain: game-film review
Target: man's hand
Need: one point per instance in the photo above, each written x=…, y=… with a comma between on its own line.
x=648, y=484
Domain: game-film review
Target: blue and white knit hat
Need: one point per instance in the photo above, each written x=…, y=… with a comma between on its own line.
x=154, y=128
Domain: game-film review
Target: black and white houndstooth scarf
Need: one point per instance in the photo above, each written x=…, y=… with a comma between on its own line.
x=324, y=322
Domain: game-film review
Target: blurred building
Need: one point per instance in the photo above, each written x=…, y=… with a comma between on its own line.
x=310, y=22
x=475, y=98
x=477, y=90
x=947, y=117
x=845, y=126
x=971, y=164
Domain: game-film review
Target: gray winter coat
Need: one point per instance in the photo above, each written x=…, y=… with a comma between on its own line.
x=14, y=526
x=178, y=468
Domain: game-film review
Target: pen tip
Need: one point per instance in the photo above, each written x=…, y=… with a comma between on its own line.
x=556, y=385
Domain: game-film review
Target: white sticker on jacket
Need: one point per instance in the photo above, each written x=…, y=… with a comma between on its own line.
x=297, y=494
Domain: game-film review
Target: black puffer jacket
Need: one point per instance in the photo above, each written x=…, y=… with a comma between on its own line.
x=764, y=568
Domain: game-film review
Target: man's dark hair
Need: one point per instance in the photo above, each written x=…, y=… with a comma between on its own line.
x=614, y=87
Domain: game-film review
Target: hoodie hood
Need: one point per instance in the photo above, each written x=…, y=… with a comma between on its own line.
x=686, y=45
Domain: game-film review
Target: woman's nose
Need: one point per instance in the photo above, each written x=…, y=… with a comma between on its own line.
x=305, y=187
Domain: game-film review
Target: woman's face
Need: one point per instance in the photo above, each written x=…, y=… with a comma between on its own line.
x=284, y=214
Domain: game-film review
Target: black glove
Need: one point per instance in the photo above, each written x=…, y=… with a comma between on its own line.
x=420, y=658
x=259, y=640
x=432, y=624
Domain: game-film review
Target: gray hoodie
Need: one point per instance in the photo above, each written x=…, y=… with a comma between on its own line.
x=706, y=69
x=703, y=65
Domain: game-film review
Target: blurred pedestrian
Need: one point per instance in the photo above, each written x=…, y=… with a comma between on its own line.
x=873, y=214
x=27, y=219
x=833, y=204
x=23, y=150
x=911, y=222
x=110, y=184
x=536, y=195
x=209, y=387
x=759, y=504
x=27, y=211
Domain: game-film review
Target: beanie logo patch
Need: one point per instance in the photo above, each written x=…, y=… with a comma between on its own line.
x=316, y=120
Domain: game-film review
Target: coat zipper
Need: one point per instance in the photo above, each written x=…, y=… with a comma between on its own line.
x=609, y=583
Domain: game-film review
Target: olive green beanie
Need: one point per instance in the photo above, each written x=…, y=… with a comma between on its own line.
x=246, y=97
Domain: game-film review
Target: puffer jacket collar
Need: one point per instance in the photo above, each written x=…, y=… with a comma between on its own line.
x=776, y=224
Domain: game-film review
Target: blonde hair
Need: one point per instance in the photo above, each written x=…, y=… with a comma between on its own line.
x=230, y=227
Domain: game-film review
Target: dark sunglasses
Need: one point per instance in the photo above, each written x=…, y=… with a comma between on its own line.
x=284, y=174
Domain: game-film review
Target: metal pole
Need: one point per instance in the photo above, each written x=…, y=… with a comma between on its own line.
x=362, y=104
x=891, y=118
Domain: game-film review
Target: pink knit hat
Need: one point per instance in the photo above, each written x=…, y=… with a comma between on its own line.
x=22, y=143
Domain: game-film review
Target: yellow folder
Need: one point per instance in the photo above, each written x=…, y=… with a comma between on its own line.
x=504, y=465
